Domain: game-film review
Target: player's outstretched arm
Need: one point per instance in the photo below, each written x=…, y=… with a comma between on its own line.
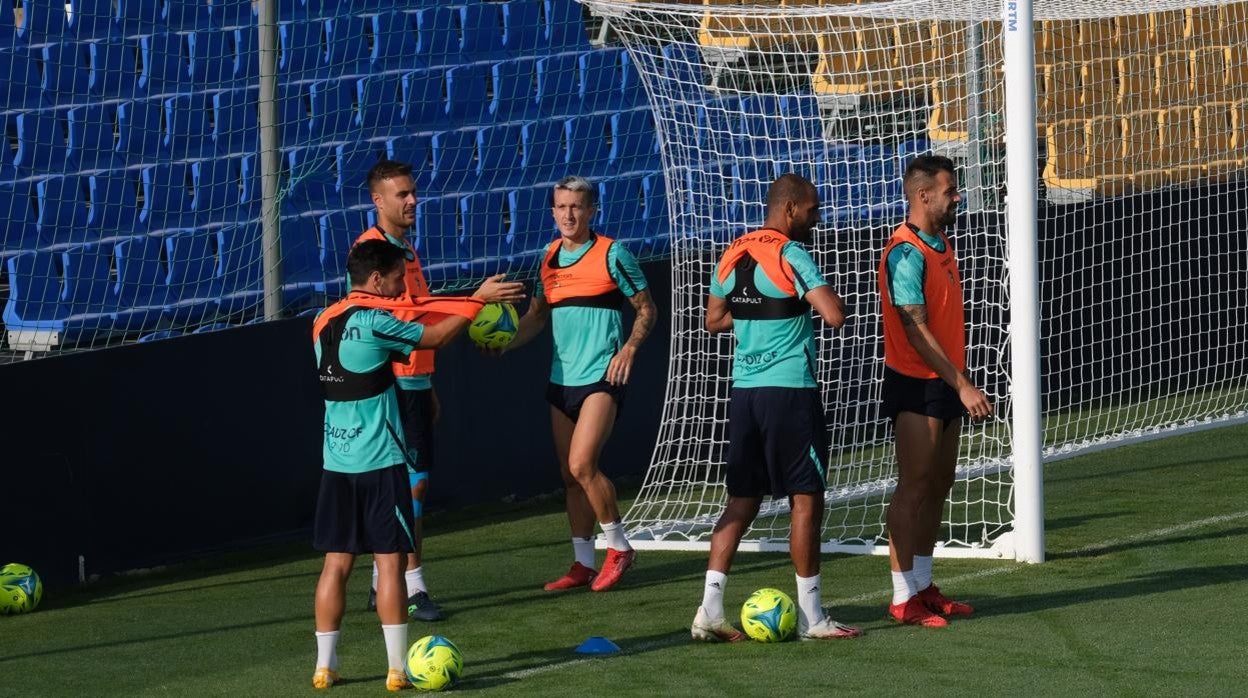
x=532, y=323
x=718, y=315
x=914, y=320
x=495, y=290
x=621, y=366
x=829, y=305
x=442, y=332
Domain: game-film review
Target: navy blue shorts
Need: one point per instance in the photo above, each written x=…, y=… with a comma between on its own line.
x=569, y=399
x=364, y=512
x=930, y=397
x=416, y=413
x=777, y=442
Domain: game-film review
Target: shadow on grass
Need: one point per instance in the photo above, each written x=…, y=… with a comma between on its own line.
x=514, y=667
x=1060, y=476
x=1077, y=520
x=1159, y=582
x=1132, y=544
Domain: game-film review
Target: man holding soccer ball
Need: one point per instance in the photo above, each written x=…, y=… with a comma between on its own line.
x=763, y=290
x=394, y=194
x=926, y=388
x=585, y=278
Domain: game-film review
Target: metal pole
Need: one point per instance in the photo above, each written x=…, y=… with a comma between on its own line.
x=1020, y=158
x=271, y=240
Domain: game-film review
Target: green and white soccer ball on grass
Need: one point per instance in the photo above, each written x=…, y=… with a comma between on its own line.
x=494, y=326
x=769, y=616
x=434, y=663
x=20, y=589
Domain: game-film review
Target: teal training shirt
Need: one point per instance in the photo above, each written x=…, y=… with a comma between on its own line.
x=906, y=269
x=364, y=435
x=775, y=353
x=586, y=338
x=425, y=380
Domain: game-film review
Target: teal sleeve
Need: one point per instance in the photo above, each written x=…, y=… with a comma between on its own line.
x=906, y=269
x=805, y=274
x=717, y=289
x=394, y=334
x=625, y=270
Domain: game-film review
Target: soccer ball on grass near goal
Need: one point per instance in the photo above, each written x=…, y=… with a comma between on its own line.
x=769, y=616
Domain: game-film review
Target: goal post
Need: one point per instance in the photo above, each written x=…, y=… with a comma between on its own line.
x=1076, y=135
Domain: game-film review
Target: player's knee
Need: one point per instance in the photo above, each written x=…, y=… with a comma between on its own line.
x=582, y=471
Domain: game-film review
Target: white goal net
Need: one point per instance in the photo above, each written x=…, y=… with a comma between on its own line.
x=1141, y=125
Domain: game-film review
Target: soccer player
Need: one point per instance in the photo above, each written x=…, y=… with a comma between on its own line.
x=763, y=290
x=584, y=280
x=394, y=195
x=926, y=388
x=363, y=502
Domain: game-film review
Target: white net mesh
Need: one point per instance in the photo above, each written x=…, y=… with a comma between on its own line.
x=1141, y=262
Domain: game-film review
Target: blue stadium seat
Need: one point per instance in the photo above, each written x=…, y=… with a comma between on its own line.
x=142, y=286
x=91, y=137
x=454, y=167
x=532, y=226
x=712, y=208
x=481, y=27
x=632, y=93
x=250, y=190
x=354, y=160
x=187, y=131
x=35, y=287
x=186, y=15
x=193, y=283
x=236, y=126
x=40, y=141
x=167, y=198
x=113, y=68
x=634, y=142
x=544, y=155
x=91, y=20
x=394, y=40
x=232, y=13
x=523, y=33
x=348, y=52
x=881, y=178
x=763, y=133
x=683, y=68
x=301, y=56
x=301, y=264
x=719, y=126
x=245, y=49
x=66, y=73
x=114, y=204
x=338, y=231
x=622, y=207
x=417, y=150
x=212, y=59
x=513, y=98
x=437, y=37
x=212, y=327
x=63, y=212
x=8, y=127
x=88, y=297
x=164, y=64
x=20, y=88
x=588, y=141
x=139, y=17
x=332, y=110
x=158, y=335
x=17, y=208
x=565, y=26
x=139, y=129
x=313, y=184
x=466, y=89
x=803, y=121
x=438, y=229
x=240, y=269
x=42, y=21
x=382, y=110
x=500, y=153
x=294, y=106
x=484, y=246
x=599, y=77
x=751, y=179
x=658, y=219
x=424, y=100
x=557, y=79
x=216, y=191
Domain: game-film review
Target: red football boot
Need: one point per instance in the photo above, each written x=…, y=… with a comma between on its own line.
x=617, y=561
x=915, y=612
x=578, y=576
x=937, y=602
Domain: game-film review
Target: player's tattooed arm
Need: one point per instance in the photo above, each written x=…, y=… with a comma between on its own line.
x=644, y=322
x=913, y=315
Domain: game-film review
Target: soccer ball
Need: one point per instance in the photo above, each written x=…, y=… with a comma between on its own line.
x=494, y=326
x=20, y=589
x=434, y=663
x=769, y=616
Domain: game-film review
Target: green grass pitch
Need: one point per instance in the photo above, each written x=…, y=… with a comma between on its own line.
x=1144, y=593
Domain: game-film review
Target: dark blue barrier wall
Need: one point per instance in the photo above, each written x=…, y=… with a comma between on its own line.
x=152, y=453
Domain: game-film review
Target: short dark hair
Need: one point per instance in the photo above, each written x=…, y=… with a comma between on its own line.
x=370, y=256
x=927, y=165
x=789, y=187
x=385, y=169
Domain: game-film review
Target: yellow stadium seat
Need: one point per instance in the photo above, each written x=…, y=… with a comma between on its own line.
x=1133, y=33
x=1235, y=58
x=1179, y=144
x=1223, y=147
x=1066, y=159
x=1209, y=73
x=949, y=110
x=1062, y=91
x=1167, y=29
x=1099, y=36
x=1233, y=24
x=1142, y=148
x=1202, y=26
x=1135, y=78
x=1173, y=77
x=1059, y=41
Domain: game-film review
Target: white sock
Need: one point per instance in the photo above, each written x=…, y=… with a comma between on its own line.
x=583, y=549
x=327, y=650
x=615, y=536
x=809, y=604
x=922, y=572
x=713, y=594
x=903, y=587
x=376, y=576
x=396, y=644
x=415, y=581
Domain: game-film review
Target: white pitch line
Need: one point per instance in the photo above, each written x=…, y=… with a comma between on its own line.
x=990, y=572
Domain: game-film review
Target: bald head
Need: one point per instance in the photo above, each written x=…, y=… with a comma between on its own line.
x=789, y=187
x=793, y=207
